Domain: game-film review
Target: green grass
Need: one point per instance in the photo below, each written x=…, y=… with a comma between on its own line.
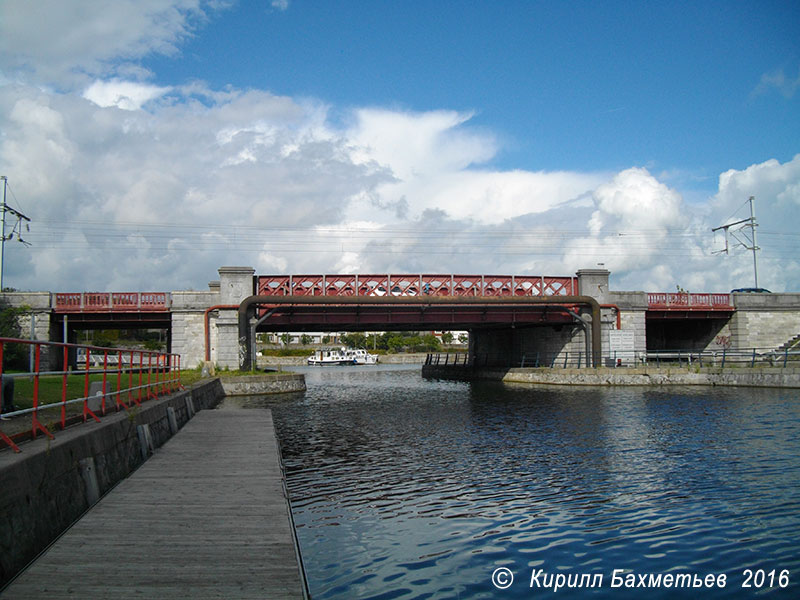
x=51, y=386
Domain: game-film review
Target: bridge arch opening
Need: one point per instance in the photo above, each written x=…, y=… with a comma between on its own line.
x=397, y=313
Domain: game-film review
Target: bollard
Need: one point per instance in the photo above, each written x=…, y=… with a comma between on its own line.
x=89, y=476
x=145, y=440
x=173, y=420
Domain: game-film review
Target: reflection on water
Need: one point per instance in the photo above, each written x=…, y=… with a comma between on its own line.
x=403, y=487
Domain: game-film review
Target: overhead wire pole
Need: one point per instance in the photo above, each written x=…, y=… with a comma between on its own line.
x=751, y=223
x=4, y=208
x=753, y=226
x=3, y=229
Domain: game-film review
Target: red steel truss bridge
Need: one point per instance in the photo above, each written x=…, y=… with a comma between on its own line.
x=415, y=285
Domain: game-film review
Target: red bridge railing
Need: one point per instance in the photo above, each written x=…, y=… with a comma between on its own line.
x=678, y=301
x=416, y=285
x=112, y=302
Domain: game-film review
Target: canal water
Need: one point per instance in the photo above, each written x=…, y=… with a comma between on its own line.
x=403, y=487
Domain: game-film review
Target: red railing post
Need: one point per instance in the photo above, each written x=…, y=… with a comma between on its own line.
x=150, y=393
x=156, y=382
x=105, y=378
x=119, y=380
x=64, y=388
x=35, y=423
x=164, y=387
x=141, y=365
x=131, y=397
x=86, y=410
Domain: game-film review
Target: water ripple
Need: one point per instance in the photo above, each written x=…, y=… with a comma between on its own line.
x=406, y=488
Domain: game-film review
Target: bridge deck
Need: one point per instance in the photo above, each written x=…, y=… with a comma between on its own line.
x=205, y=517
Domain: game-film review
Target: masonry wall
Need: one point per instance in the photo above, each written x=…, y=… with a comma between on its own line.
x=188, y=327
x=763, y=329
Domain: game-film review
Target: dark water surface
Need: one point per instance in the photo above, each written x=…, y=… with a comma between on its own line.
x=410, y=488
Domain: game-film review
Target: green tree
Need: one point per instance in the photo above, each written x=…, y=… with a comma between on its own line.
x=305, y=339
x=105, y=338
x=286, y=339
x=395, y=343
x=447, y=338
x=14, y=355
x=354, y=340
x=153, y=345
x=429, y=343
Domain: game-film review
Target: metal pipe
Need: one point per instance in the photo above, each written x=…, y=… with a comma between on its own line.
x=616, y=308
x=247, y=307
x=206, y=338
x=582, y=323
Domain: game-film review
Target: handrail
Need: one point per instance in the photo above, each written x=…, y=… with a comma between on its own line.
x=723, y=358
x=419, y=284
x=687, y=301
x=162, y=369
x=77, y=302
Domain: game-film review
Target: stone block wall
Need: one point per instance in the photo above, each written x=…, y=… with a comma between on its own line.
x=188, y=337
x=763, y=329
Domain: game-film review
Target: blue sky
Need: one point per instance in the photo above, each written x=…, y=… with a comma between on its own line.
x=567, y=85
x=172, y=137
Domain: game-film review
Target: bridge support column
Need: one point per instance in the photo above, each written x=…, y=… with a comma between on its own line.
x=235, y=284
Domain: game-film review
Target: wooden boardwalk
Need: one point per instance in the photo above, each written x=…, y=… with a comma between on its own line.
x=204, y=517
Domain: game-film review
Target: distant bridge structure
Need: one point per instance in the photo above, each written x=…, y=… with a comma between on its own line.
x=415, y=285
x=510, y=317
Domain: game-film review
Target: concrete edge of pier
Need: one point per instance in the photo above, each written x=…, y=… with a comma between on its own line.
x=51, y=483
x=775, y=377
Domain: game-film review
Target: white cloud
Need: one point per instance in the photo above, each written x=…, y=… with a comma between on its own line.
x=64, y=43
x=127, y=95
x=188, y=178
x=778, y=80
x=436, y=162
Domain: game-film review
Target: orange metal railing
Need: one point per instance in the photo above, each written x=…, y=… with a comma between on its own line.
x=139, y=375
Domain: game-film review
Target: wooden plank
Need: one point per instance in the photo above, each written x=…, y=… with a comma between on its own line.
x=205, y=517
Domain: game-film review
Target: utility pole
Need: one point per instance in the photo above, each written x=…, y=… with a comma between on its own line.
x=753, y=226
x=5, y=208
x=3, y=229
x=749, y=244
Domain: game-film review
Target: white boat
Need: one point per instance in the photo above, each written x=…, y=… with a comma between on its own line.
x=330, y=356
x=361, y=356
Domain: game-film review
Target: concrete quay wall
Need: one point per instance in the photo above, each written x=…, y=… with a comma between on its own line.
x=642, y=376
x=50, y=484
x=254, y=385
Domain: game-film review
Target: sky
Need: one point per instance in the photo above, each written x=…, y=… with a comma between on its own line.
x=151, y=142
